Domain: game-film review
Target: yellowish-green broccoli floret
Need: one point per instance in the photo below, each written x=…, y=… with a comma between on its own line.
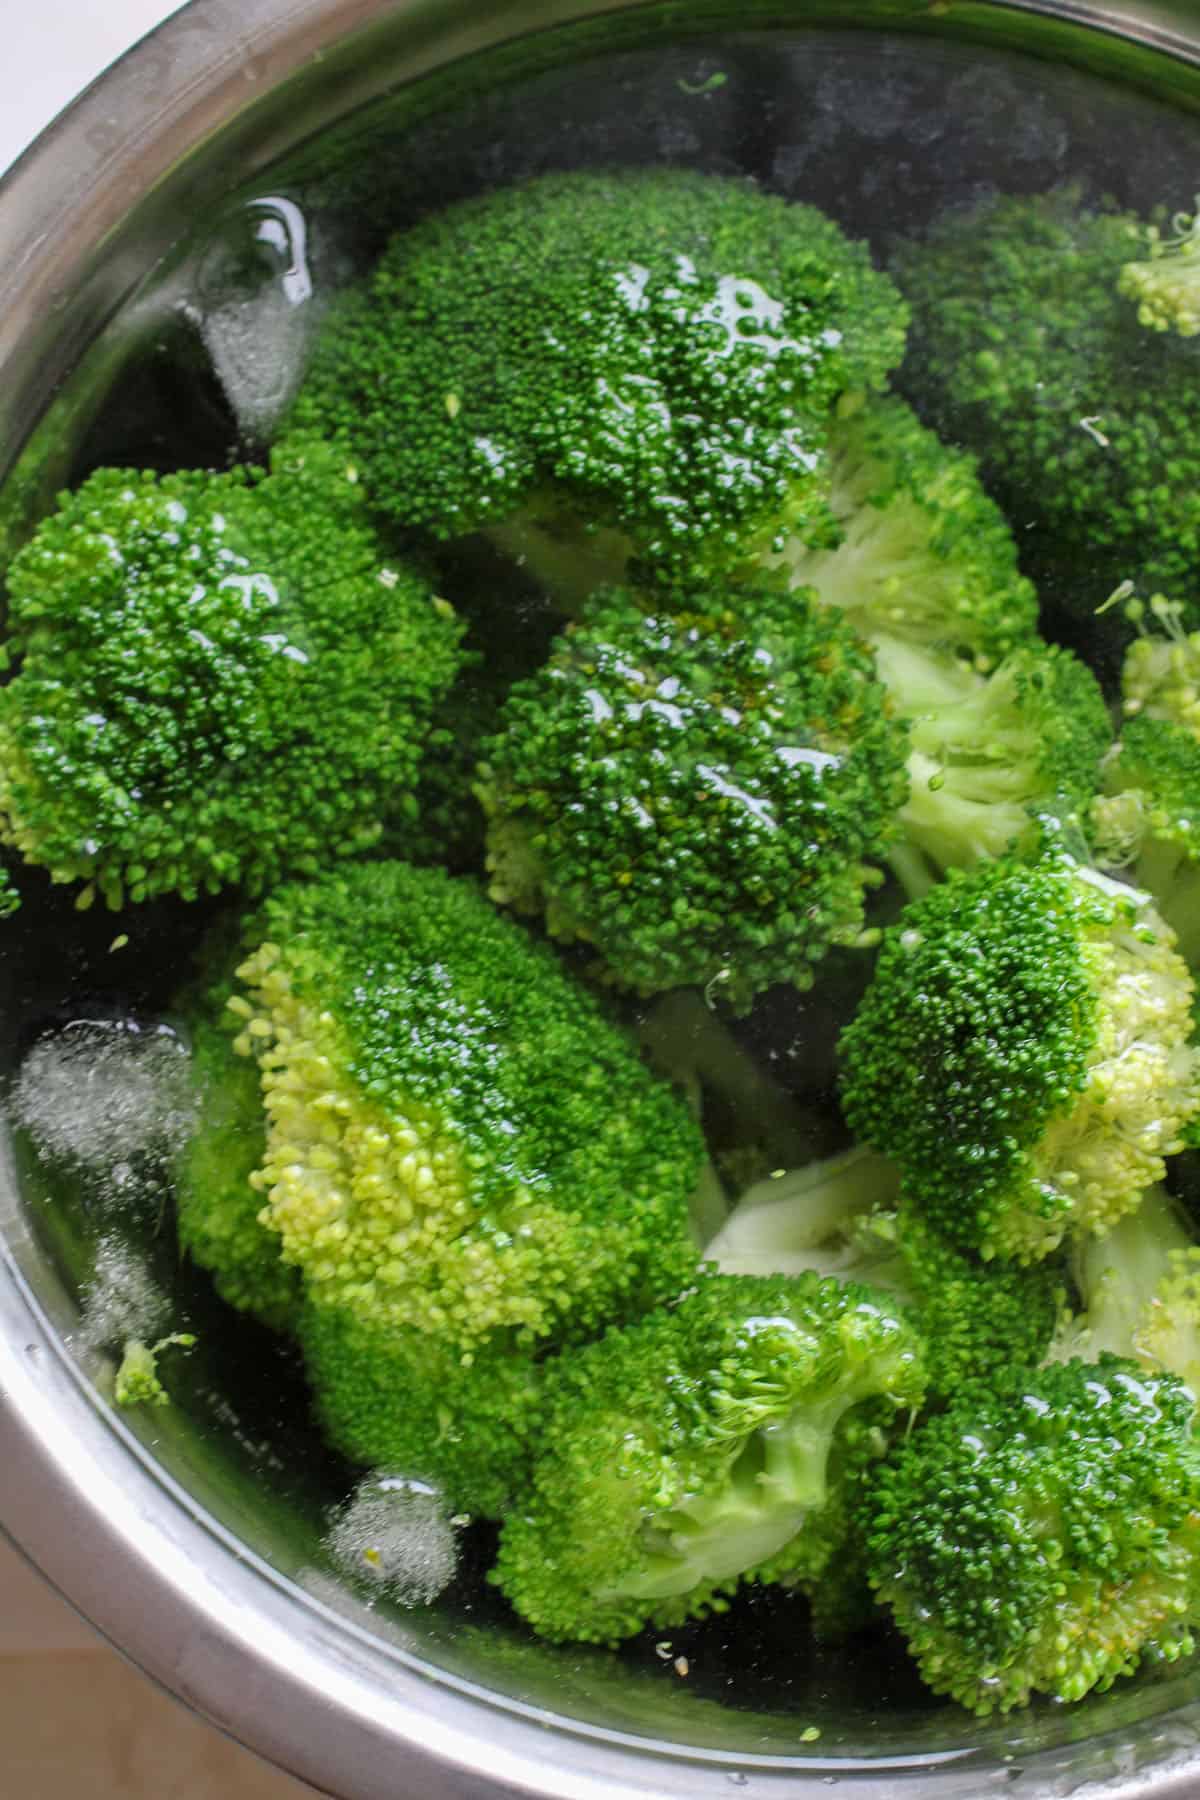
x=1165, y=282
x=137, y=1380
x=1023, y=1053
x=219, y=679
x=707, y=1442
x=458, y=1140
x=1046, y=1540
x=605, y=363
x=701, y=794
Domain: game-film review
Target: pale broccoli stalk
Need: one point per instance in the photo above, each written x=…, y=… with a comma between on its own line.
x=1139, y=1288
x=817, y=1217
x=1165, y=284
x=137, y=1380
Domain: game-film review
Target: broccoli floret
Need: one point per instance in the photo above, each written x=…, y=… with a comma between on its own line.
x=680, y=1454
x=1161, y=675
x=1044, y=1541
x=458, y=1139
x=1021, y=350
x=993, y=756
x=925, y=557
x=845, y=1218
x=216, y=1203
x=611, y=362
x=1023, y=1054
x=1165, y=283
x=137, y=1380
x=1147, y=822
x=389, y=1396
x=697, y=794
x=220, y=679
x=1139, y=1293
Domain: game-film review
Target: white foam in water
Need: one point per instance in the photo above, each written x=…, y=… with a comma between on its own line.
x=254, y=309
x=395, y=1535
x=121, y=1301
x=103, y=1095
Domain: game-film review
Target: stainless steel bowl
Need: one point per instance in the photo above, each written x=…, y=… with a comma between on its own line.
x=193, y=1548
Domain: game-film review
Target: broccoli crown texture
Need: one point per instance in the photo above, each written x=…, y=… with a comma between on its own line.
x=392, y=1397
x=1147, y=820
x=458, y=1139
x=697, y=1445
x=216, y=1203
x=1021, y=349
x=1046, y=1540
x=1161, y=675
x=925, y=555
x=219, y=679
x=664, y=345
x=696, y=793
x=1165, y=282
x=841, y=1218
x=1023, y=1054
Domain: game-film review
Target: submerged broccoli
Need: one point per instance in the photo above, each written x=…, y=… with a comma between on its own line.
x=925, y=558
x=703, y=1444
x=1023, y=1054
x=607, y=362
x=463, y=1160
x=698, y=794
x=137, y=1380
x=998, y=760
x=1021, y=350
x=219, y=679
x=844, y=1217
x=1139, y=1289
x=1147, y=821
x=1045, y=1541
x=1165, y=283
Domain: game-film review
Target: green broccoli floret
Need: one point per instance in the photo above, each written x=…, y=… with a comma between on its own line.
x=458, y=1139
x=1021, y=350
x=698, y=794
x=926, y=558
x=393, y=1397
x=137, y=1380
x=1044, y=1541
x=1023, y=1054
x=994, y=757
x=607, y=362
x=684, y=1452
x=220, y=679
x=1165, y=283
x=1147, y=822
x=1161, y=674
x=1139, y=1293
x=845, y=1217
x=216, y=1204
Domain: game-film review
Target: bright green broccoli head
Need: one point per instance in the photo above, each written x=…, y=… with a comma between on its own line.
x=1021, y=349
x=698, y=794
x=1046, y=1541
x=925, y=557
x=458, y=1139
x=1023, y=1054
x=391, y=1397
x=843, y=1218
x=658, y=347
x=219, y=678
x=688, y=1450
x=995, y=756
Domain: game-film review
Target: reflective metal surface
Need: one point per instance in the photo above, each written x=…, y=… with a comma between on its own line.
x=183, y=1556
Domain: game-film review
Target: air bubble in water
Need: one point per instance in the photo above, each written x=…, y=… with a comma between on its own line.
x=121, y=1301
x=104, y=1096
x=252, y=301
x=395, y=1535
